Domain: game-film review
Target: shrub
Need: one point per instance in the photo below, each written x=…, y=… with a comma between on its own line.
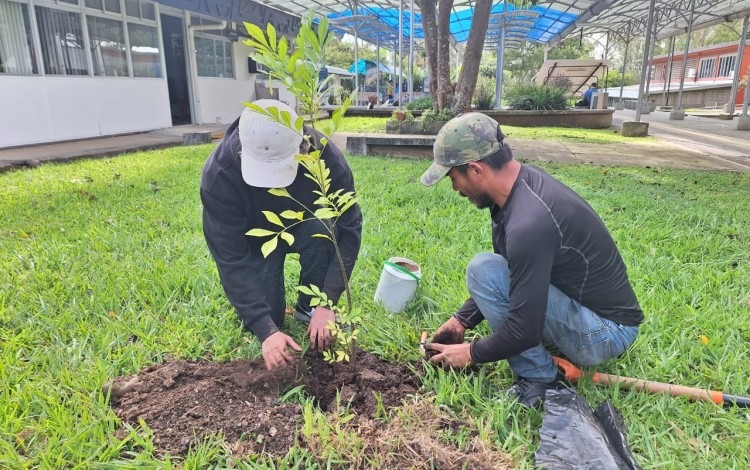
x=536, y=97
x=484, y=93
x=421, y=103
x=430, y=116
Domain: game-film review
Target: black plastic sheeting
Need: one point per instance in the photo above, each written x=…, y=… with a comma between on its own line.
x=575, y=437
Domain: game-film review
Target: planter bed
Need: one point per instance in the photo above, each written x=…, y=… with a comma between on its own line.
x=579, y=118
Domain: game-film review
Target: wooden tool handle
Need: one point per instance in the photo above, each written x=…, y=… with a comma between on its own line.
x=693, y=393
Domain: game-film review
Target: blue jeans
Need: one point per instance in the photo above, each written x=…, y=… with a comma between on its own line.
x=577, y=332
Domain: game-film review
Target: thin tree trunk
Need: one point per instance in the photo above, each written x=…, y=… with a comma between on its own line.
x=444, y=90
x=467, y=80
x=429, y=26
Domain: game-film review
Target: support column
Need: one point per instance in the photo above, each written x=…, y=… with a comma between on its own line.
x=377, y=64
x=400, y=51
x=678, y=114
x=411, y=51
x=743, y=121
x=644, y=60
x=729, y=108
x=668, y=78
x=356, y=66
x=638, y=128
x=650, y=70
x=621, y=102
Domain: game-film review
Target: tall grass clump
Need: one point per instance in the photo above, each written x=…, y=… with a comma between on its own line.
x=533, y=97
x=424, y=102
x=484, y=93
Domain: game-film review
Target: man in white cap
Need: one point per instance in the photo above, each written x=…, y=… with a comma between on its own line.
x=257, y=154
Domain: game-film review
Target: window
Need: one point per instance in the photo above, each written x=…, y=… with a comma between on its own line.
x=140, y=9
x=17, y=54
x=214, y=57
x=107, y=45
x=144, y=50
x=61, y=37
x=726, y=66
x=707, y=68
x=111, y=6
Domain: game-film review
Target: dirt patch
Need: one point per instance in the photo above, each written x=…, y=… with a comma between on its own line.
x=420, y=435
x=183, y=402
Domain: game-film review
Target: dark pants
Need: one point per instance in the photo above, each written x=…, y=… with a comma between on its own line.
x=315, y=255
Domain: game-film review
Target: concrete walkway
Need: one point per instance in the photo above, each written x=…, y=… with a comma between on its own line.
x=695, y=143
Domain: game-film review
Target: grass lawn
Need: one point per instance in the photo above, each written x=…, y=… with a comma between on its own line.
x=561, y=134
x=104, y=271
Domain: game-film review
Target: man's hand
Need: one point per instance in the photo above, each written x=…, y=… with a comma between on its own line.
x=450, y=332
x=275, y=351
x=451, y=355
x=320, y=335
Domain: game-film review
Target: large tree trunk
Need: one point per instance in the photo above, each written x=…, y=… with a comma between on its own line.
x=444, y=91
x=467, y=81
x=429, y=26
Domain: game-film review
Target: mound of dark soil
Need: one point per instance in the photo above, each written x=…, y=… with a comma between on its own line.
x=185, y=401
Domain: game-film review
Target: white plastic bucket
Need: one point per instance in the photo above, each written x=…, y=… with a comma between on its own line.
x=398, y=283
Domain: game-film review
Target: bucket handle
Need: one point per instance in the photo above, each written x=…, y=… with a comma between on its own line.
x=402, y=269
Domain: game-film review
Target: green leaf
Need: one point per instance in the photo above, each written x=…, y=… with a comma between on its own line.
x=280, y=192
x=283, y=46
x=292, y=215
x=299, y=124
x=324, y=213
x=273, y=218
x=348, y=204
x=271, y=31
x=321, y=235
x=305, y=290
x=269, y=246
x=259, y=232
x=286, y=118
x=288, y=237
x=255, y=33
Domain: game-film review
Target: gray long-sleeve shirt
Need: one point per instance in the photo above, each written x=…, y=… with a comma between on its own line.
x=550, y=235
x=231, y=207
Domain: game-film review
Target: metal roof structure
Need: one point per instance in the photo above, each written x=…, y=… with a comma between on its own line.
x=378, y=22
x=628, y=18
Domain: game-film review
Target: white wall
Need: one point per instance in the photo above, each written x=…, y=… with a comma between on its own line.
x=219, y=100
x=55, y=108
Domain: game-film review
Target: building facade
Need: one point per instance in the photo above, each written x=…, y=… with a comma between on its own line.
x=709, y=72
x=75, y=69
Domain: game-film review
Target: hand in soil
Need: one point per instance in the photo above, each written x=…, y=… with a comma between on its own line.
x=457, y=356
x=320, y=335
x=450, y=332
x=275, y=352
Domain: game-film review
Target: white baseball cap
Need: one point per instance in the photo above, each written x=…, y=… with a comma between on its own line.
x=268, y=147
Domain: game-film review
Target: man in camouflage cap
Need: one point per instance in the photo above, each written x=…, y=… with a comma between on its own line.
x=555, y=277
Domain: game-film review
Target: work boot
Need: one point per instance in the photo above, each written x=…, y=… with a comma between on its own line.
x=531, y=394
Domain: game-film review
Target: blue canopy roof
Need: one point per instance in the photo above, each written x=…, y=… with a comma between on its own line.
x=365, y=66
x=376, y=24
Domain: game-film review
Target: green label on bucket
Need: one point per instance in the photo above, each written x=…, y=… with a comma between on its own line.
x=402, y=269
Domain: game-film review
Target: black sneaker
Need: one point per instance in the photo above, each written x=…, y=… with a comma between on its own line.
x=531, y=394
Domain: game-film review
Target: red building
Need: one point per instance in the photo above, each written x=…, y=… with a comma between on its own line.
x=708, y=76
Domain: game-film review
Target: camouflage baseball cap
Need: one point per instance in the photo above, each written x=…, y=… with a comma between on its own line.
x=467, y=138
